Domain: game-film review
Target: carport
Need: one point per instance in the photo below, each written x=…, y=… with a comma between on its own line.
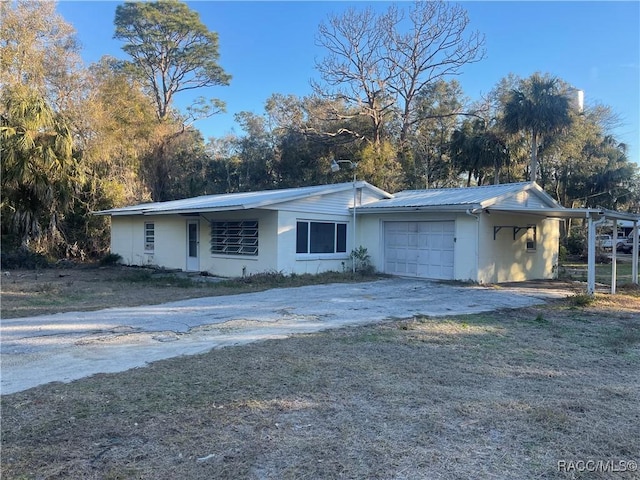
x=596, y=217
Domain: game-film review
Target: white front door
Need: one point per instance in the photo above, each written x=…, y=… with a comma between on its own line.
x=193, y=245
x=419, y=249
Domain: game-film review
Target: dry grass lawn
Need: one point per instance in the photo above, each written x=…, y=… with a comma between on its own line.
x=504, y=395
x=84, y=288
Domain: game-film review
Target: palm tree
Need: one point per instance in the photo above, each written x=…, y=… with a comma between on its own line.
x=476, y=150
x=539, y=108
x=38, y=168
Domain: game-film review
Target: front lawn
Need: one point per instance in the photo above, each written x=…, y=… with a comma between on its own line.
x=523, y=393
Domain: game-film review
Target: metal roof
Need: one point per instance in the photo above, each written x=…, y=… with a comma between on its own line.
x=236, y=201
x=456, y=198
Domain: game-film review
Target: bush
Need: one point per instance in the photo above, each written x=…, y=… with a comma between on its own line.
x=110, y=259
x=23, y=258
x=582, y=299
x=576, y=243
x=362, y=261
x=563, y=254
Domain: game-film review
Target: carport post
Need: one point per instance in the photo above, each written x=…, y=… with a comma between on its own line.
x=614, y=264
x=591, y=253
x=634, y=252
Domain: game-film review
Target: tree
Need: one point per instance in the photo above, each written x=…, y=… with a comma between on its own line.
x=38, y=49
x=539, y=107
x=436, y=46
x=379, y=69
x=172, y=50
x=437, y=107
x=39, y=172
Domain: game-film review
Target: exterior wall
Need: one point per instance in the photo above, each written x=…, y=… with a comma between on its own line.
x=170, y=246
x=290, y=262
x=127, y=240
x=522, y=199
x=507, y=260
x=370, y=234
x=333, y=204
x=239, y=265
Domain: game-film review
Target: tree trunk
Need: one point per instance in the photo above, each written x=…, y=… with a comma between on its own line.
x=534, y=156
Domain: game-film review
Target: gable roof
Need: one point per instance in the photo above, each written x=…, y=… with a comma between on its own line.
x=237, y=201
x=462, y=199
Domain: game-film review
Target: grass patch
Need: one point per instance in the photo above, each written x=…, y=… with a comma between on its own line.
x=578, y=271
x=150, y=277
x=268, y=280
x=623, y=338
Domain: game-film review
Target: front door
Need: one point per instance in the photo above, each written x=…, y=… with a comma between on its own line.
x=193, y=245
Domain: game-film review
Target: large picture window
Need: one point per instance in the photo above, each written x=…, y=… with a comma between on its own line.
x=149, y=236
x=235, y=237
x=321, y=237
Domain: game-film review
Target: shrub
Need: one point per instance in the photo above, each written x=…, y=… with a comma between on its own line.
x=582, y=299
x=362, y=261
x=110, y=259
x=576, y=243
x=23, y=258
x=563, y=253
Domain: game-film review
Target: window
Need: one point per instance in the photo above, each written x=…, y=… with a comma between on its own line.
x=531, y=238
x=149, y=236
x=321, y=237
x=235, y=237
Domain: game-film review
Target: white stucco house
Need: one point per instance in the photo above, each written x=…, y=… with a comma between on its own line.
x=296, y=230
x=488, y=234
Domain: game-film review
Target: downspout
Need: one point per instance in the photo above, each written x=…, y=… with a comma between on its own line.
x=591, y=253
x=469, y=212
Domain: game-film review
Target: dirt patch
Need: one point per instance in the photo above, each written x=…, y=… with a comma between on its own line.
x=508, y=394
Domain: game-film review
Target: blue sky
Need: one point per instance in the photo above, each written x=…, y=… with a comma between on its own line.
x=269, y=47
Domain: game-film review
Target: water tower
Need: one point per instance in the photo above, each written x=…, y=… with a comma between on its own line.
x=576, y=99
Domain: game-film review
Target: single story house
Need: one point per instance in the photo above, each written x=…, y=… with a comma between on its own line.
x=488, y=234
x=295, y=230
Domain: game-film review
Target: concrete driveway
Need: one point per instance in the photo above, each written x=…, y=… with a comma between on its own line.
x=69, y=346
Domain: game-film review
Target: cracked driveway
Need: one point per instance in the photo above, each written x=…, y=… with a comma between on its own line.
x=69, y=346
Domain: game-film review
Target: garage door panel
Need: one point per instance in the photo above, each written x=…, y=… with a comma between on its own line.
x=421, y=249
x=448, y=243
x=435, y=242
x=447, y=258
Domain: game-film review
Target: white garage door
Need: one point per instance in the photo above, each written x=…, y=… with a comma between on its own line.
x=419, y=249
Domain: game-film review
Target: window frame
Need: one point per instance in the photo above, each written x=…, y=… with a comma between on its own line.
x=149, y=237
x=235, y=238
x=531, y=240
x=340, y=233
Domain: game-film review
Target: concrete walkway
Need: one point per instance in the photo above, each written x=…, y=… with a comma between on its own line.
x=69, y=346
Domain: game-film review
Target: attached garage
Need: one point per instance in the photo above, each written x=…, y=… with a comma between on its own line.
x=419, y=249
x=488, y=234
